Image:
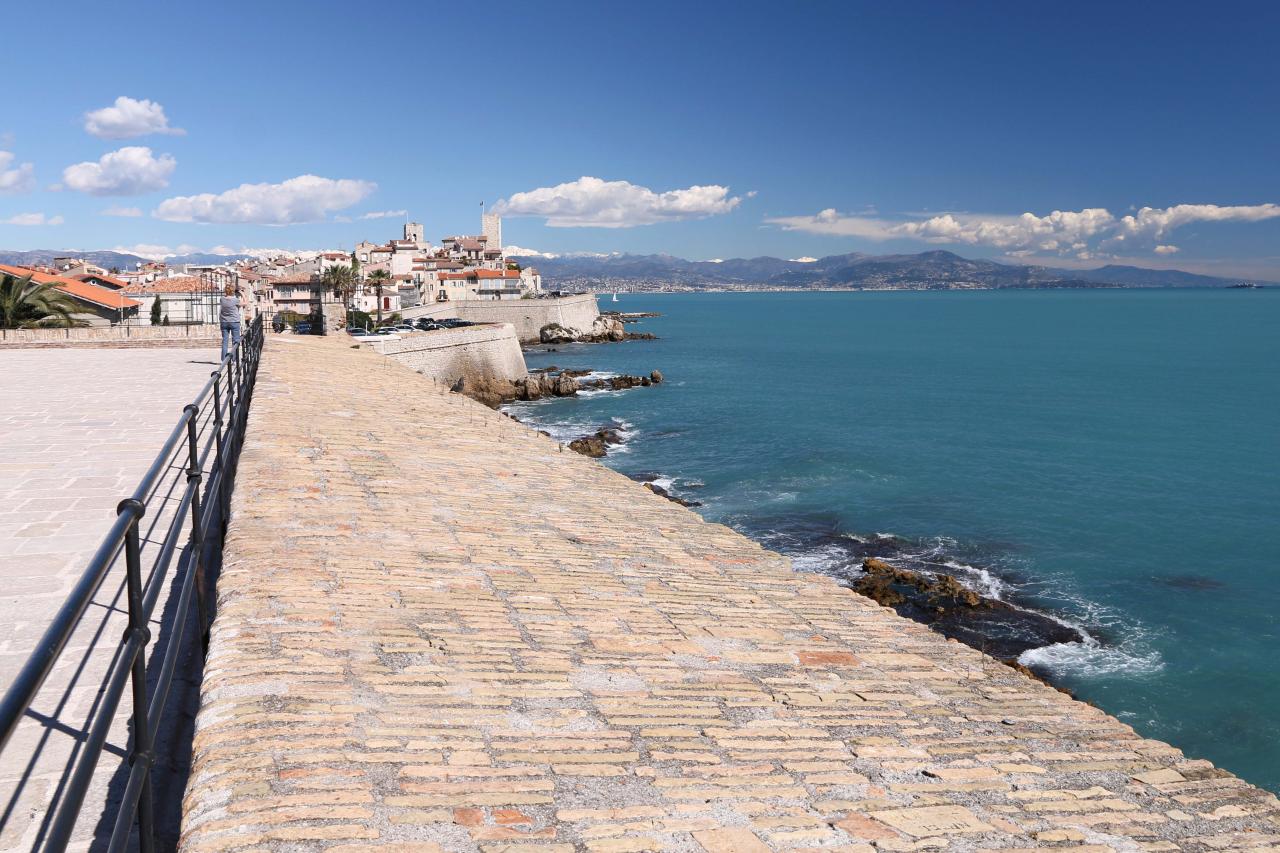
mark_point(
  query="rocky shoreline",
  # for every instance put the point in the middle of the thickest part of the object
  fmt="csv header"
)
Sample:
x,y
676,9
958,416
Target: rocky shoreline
x,y
606,328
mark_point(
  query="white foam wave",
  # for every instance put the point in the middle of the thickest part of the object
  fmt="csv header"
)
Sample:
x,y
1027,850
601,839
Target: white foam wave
x,y
1091,659
663,482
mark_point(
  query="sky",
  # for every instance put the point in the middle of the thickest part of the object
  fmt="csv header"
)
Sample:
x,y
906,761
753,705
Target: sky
x,y
1063,134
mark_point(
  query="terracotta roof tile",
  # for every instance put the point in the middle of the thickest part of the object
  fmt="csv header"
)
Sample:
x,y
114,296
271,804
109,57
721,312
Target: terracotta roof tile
x,y
81,290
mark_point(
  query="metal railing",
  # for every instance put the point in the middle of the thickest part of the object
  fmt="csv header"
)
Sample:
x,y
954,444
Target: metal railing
x,y
189,482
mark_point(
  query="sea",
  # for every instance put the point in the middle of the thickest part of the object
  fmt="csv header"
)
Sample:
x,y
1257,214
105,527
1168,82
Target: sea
x,y
1108,460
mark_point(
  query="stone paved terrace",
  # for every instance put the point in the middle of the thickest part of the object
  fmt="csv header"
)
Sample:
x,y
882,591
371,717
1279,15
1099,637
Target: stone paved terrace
x,y
78,429
438,631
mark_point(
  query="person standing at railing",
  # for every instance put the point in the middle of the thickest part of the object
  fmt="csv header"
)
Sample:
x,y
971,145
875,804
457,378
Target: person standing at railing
x,y
229,316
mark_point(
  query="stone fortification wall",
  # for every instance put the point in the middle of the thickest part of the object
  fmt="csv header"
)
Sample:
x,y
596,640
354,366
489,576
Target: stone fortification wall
x,y
528,316
438,631
111,336
435,310
447,355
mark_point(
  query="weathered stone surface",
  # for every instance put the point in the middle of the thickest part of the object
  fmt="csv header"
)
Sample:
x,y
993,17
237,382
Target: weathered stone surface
x,y
443,621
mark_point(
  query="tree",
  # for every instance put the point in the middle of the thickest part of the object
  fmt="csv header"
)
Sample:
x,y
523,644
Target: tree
x,y
341,280
155,311
25,303
379,279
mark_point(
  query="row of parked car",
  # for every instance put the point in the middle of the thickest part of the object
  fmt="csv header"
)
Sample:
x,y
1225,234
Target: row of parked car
x,y
422,324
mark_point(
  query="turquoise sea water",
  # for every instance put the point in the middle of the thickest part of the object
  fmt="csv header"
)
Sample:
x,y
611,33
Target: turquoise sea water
x,y
1110,457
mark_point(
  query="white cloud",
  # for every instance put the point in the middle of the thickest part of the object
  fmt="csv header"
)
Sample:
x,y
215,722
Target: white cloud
x,y
1154,223
157,252
1166,250
150,251
132,170
385,214
804,260
1078,233
521,252
592,202
128,118
306,198
122,211
20,179
32,219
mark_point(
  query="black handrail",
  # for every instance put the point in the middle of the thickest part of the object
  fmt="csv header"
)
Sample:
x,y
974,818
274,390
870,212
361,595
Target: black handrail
x,y
224,401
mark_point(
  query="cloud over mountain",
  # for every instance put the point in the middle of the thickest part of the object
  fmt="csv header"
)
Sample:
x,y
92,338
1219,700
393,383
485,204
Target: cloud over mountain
x,y
1080,233
592,202
128,118
306,198
132,170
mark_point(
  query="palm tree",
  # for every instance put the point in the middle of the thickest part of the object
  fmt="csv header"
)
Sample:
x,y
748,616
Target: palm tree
x,y
25,303
341,280
379,278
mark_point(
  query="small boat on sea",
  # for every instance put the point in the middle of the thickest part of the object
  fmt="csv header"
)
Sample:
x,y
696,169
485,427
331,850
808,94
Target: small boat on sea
x,y
615,296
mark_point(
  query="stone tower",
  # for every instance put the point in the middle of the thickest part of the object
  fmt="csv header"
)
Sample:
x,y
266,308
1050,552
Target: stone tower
x,y
491,227
413,232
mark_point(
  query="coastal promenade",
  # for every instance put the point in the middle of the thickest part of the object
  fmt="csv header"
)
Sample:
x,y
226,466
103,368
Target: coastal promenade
x,y
440,630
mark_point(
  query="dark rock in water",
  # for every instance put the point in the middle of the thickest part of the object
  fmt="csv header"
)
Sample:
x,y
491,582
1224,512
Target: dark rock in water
x,y
597,444
618,383
588,446
640,336
656,377
946,605
663,493
644,476
1191,582
574,373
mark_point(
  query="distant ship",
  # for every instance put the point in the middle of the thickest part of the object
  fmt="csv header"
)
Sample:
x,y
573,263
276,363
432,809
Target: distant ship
x,y
1244,285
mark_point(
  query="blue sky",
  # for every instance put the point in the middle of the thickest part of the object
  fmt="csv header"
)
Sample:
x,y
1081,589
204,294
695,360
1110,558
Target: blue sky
x,y
704,129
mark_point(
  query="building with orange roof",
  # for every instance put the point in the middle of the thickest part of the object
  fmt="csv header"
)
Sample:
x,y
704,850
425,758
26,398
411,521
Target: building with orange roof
x,y
102,306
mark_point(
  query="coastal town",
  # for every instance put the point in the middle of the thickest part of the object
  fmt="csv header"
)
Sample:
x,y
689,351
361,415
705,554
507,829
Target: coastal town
x,y
330,288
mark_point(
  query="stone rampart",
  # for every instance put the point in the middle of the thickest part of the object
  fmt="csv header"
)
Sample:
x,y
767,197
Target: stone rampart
x,y
112,336
528,316
433,310
438,630
447,355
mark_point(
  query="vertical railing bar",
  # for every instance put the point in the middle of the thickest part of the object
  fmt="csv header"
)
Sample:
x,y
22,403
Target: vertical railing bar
x,y
141,633
197,538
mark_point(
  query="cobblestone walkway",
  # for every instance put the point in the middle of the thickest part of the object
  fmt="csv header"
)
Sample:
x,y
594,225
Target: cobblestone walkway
x,y
440,632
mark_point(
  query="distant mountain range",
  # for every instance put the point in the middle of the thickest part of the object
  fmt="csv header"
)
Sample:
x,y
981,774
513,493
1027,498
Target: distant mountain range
x,y
105,258
936,270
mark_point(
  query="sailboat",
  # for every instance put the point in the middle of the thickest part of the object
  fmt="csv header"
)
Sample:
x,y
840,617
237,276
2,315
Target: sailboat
x,y
615,296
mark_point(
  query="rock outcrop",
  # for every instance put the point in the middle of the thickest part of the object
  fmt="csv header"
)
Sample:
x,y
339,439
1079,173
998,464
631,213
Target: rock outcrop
x,y
554,333
954,610
605,328
597,444
490,390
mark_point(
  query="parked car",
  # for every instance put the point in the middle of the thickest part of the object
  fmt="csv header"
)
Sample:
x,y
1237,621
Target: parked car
x,y
425,325
455,323
404,327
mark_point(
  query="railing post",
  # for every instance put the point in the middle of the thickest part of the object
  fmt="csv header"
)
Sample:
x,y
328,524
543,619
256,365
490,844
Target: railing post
x,y
138,630
197,537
